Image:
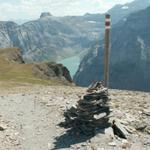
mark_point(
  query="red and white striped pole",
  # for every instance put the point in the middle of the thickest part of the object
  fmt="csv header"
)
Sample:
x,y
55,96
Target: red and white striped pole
x,y
107,47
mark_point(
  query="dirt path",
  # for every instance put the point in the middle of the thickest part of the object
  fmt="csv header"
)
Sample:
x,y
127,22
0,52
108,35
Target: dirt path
x,y
31,120
34,115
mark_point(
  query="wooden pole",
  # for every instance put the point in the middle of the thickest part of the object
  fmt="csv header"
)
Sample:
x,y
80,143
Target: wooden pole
x,y
106,52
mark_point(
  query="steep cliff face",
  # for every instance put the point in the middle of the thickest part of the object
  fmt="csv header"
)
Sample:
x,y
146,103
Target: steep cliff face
x,y
129,57
44,39
51,70
13,68
6,29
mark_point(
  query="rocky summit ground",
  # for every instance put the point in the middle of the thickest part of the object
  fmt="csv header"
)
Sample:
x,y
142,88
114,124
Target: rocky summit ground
x,y
29,118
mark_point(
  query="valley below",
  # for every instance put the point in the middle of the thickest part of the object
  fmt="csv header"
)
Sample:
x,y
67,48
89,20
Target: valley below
x,y
30,114
72,64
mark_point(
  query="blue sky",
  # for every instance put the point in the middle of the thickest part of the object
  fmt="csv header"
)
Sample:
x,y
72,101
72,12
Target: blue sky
x,y
30,9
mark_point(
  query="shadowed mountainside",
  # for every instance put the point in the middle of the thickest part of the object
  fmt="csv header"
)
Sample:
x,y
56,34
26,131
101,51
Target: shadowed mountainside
x,y
129,57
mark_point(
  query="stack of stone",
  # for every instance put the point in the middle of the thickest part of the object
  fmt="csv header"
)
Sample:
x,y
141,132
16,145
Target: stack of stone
x,y
91,112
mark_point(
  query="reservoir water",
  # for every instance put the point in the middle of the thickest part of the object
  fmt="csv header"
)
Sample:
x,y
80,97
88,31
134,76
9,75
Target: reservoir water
x,y
72,63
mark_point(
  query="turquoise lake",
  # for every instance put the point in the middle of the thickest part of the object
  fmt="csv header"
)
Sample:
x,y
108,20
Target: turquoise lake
x,y
72,63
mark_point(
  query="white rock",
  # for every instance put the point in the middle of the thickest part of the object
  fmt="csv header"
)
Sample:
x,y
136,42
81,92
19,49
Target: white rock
x,y
49,145
109,132
43,98
125,144
3,127
112,144
100,116
67,102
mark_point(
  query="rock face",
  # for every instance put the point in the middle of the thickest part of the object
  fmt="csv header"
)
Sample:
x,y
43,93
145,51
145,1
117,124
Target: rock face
x,y
13,56
51,70
129,58
50,38
6,28
45,14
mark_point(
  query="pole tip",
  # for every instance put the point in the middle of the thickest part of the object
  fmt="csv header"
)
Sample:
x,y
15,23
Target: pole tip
x,y
107,15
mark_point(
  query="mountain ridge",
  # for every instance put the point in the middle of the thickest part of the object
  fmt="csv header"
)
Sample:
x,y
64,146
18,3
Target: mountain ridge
x,y
129,57
55,38
13,68
47,38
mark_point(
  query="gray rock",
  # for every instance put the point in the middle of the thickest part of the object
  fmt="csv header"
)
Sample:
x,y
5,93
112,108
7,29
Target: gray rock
x,y
2,127
49,38
109,132
119,129
45,14
112,144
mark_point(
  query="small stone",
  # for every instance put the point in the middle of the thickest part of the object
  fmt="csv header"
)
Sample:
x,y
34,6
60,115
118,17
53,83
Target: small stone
x,y
119,129
48,105
62,106
83,144
130,129
2,127
140,126
146,112
147,141
43,98
125,144
124,122
49,145
16,142
67,102
147,130
109,132
112,144
100,116
17,133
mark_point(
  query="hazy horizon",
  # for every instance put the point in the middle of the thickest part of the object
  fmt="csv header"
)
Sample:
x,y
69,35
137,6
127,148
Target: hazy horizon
x,y
31,9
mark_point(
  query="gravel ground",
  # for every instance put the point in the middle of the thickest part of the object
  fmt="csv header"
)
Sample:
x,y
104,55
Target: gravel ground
x,y
30,116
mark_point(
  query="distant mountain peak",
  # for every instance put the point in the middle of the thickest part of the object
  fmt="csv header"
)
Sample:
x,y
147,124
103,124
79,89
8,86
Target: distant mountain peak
x,y
45,14
87,14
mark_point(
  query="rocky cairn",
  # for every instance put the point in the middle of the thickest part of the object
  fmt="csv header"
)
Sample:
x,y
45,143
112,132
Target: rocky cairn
x,y
92,111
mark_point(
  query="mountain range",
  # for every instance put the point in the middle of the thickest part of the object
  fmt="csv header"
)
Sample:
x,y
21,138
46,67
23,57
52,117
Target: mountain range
x,y
54,38
49,38
119,11
129,56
